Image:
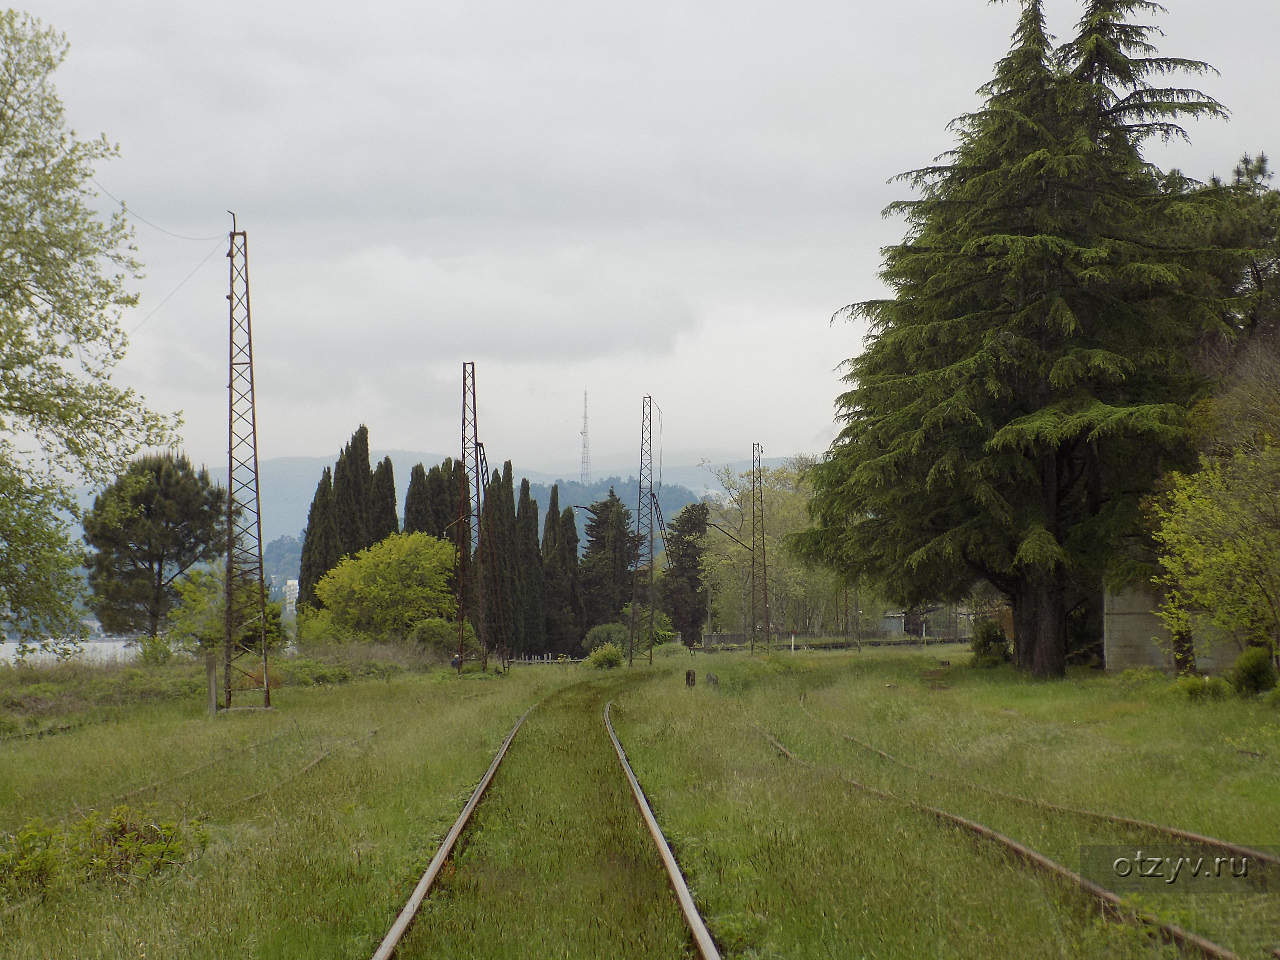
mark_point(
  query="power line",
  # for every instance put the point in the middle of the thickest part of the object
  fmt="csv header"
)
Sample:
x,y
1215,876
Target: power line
x,y
154,226
183,282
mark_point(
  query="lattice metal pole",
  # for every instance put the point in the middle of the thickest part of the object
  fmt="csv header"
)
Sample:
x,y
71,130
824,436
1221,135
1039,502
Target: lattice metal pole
x,y
759,567
468,579
246,590
644,531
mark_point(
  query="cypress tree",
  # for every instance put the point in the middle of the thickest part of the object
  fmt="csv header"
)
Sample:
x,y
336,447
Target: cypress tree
x,y
417,513
572,625
319,542
442,501
352,479
1018,392
529,574
383,521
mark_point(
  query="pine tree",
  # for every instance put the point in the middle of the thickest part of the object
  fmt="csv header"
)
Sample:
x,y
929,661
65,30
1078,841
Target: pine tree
x,y
352,479
611,554
1017,394
417,514
529,575
319,542
383,521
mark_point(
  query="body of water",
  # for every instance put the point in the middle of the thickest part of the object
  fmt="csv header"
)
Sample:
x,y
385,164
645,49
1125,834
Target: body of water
x,y
100,650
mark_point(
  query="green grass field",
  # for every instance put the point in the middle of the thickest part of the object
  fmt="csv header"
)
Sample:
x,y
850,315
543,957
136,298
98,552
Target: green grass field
x,y
321,814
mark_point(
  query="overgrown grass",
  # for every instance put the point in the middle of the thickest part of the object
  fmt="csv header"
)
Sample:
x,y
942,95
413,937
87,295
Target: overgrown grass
x,y
558,862
791,862
320,814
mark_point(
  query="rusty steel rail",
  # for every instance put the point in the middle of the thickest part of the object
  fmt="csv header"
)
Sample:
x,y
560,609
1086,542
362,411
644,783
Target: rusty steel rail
x,y
1176,833
1112,906
701,936
392,940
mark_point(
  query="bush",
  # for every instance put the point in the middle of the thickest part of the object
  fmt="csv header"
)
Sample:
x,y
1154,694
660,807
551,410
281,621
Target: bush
x,y
1199,689
1254,672
1272,698
154,650
125,845
990,649
606,656
441,636
599,635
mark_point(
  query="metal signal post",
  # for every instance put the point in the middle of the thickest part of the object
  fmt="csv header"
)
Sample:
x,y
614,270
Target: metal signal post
x,y
469,505
246,591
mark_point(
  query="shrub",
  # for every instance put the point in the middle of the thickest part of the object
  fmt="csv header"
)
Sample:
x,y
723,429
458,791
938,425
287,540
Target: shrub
x,y
1272,698
1254,672
126,845
615,633
1199,689
990,649
154,650
606,656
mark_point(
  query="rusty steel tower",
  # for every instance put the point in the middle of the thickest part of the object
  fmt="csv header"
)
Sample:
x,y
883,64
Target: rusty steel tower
x,y
759,568
246,591
470,501
643,573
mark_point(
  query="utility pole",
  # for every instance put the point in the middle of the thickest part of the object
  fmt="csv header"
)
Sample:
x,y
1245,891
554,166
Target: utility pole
x,y
584,475
246,591
759,568
644,531
469,503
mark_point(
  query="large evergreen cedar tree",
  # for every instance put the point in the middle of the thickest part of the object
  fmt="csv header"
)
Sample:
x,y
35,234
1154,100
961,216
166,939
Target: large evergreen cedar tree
x,y
1021,390
63,287
159,519
683,589
417,511
607,563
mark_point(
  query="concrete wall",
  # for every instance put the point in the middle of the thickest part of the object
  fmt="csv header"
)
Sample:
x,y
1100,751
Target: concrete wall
x,y
1131,630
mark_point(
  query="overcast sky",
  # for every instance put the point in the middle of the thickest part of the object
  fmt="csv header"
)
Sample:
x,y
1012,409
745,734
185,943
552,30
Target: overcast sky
x,y
664,198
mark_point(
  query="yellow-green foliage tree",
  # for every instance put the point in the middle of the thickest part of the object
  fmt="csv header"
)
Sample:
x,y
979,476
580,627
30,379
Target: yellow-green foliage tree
x,y
383,591
1219,533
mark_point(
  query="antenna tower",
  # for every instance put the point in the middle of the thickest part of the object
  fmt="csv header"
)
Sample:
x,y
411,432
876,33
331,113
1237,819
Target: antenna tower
x,y
759,569
644,533
246,591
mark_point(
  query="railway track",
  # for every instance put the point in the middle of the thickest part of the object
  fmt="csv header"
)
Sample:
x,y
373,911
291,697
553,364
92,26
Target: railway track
x,y
1112,906
411,933
1165,831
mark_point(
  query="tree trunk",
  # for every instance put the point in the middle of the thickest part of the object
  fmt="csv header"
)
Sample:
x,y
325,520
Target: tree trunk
x,y
1025,623
1049,653
1184,653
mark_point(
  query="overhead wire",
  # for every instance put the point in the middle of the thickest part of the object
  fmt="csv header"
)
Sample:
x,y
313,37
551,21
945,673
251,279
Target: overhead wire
x,y
154,226
181,283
